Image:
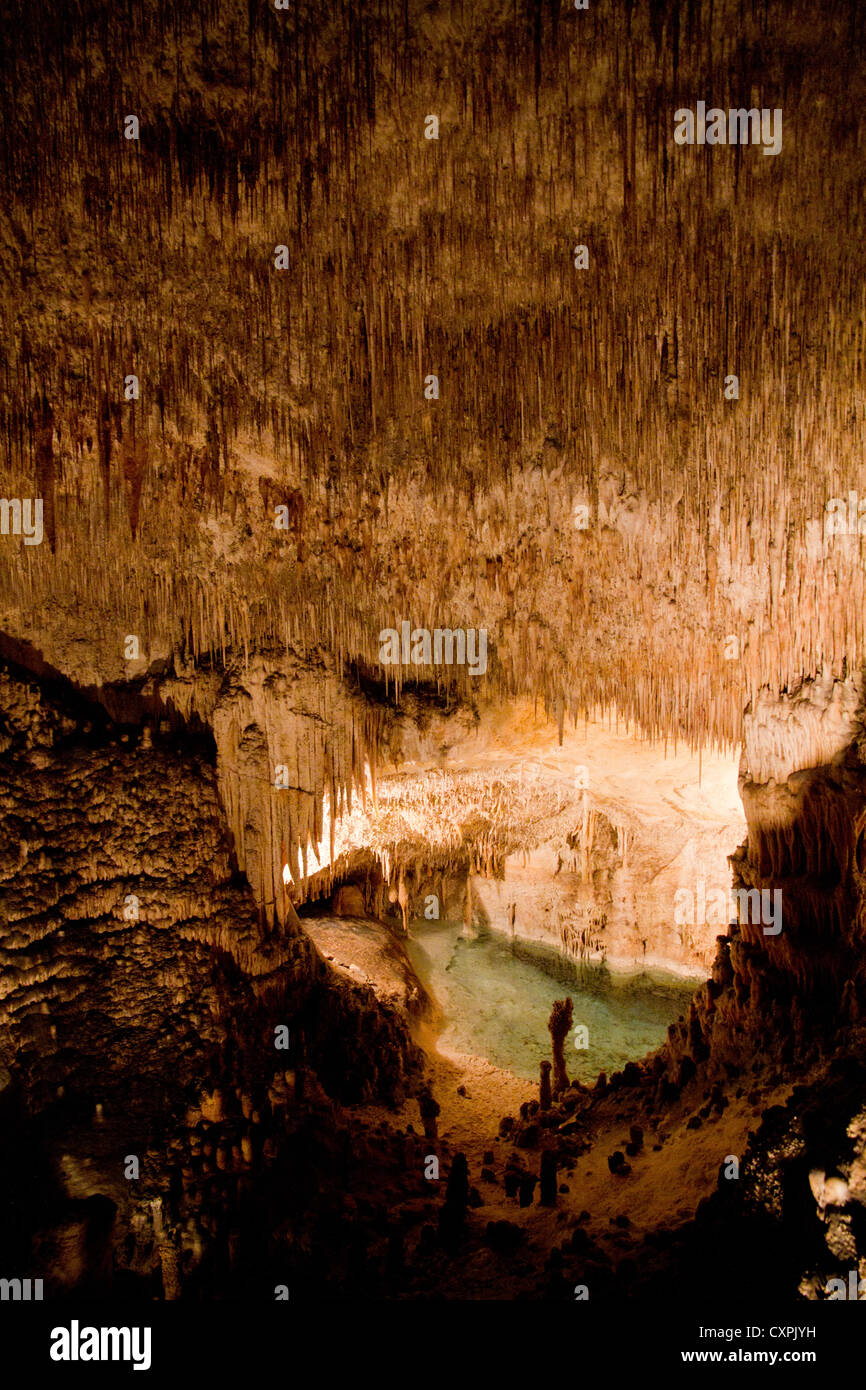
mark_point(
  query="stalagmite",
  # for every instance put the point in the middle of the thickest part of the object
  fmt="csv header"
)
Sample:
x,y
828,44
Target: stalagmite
x,y
560,1025
544,1086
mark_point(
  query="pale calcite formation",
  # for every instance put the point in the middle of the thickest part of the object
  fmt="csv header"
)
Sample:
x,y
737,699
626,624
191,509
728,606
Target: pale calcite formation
x,y
811,724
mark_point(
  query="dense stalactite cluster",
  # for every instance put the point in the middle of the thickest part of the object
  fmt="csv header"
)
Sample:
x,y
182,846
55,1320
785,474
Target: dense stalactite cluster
x,y
472,821
303,387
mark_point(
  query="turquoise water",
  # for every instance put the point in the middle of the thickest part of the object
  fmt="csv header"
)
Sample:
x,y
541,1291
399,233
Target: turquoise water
x,y
496,998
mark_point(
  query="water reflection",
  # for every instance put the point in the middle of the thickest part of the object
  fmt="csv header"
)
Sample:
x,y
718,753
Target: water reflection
x,y
496,998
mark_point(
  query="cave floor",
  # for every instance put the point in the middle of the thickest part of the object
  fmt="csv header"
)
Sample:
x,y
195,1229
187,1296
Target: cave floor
x,y
662,1191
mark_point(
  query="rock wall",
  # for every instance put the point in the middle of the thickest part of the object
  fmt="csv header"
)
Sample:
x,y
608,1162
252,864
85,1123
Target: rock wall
x,y
598,891
789,980
140,998
609,895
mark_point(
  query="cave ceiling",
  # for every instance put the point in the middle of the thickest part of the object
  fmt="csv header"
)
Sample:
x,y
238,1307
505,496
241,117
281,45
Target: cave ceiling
x,y
583,487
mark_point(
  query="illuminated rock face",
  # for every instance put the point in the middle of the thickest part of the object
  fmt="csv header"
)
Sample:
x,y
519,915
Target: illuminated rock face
x,y
791,990
586,844
613,896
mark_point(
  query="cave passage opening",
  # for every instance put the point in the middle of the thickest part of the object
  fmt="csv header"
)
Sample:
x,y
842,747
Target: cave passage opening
x,y
527,866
